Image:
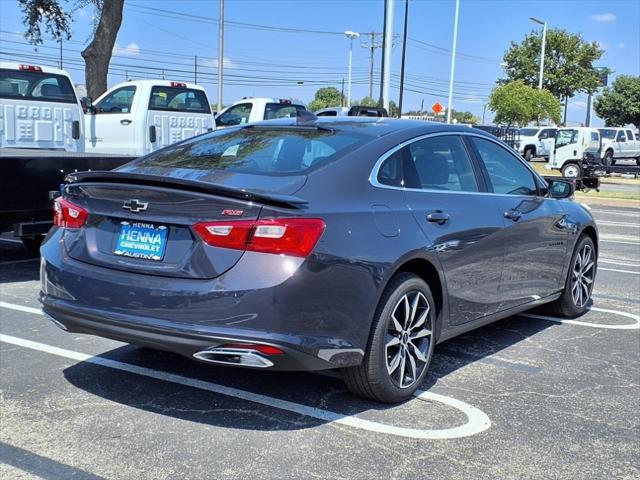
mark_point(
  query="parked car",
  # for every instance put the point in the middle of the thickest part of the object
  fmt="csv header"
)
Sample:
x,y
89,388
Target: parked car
x,y
355,111
249,110
140,116
619,144
351,243
571,147
536,141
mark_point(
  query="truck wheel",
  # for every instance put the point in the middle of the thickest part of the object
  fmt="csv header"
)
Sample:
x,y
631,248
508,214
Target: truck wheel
x,y
638,161
401,343
571,170
528,154
32,244
608,160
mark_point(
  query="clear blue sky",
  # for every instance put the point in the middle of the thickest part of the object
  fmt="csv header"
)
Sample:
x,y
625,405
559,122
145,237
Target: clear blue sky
x,y
271,61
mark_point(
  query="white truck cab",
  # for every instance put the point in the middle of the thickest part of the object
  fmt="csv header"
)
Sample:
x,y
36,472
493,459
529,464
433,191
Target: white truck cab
x,y
619,144
138,117
572,145
536,141
250,110
39,108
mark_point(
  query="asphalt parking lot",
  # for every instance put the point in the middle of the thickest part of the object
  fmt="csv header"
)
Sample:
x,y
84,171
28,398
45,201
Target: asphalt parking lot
x,y
527,397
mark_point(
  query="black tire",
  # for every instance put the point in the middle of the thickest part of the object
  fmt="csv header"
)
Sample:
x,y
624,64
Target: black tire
x,y
608,160
32,244
372,378
568,168
565,306
528,154
638,161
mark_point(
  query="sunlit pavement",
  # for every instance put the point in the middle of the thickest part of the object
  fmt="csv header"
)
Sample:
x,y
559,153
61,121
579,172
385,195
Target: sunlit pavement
x,y
527,397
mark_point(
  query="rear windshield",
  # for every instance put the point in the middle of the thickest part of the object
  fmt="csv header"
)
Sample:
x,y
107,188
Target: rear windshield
x,y
35,86
528,132
608,133
257,150
281,110
176,99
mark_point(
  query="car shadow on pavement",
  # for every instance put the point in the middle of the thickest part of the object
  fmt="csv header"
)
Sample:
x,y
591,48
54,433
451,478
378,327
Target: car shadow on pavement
x,y
325,392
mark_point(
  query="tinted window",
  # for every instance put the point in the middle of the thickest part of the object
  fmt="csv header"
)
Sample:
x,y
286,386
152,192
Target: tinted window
x,y
508,175
609,133
629,135
257,150
329,113
528,132
35,86
118,101
178,100
390,172
620,137
281,110
236,115
595,137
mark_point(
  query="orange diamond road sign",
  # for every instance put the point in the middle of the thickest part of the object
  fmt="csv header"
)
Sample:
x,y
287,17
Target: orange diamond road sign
x,y
437,107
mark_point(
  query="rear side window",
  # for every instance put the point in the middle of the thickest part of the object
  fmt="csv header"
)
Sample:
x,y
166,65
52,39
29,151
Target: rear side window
x,y
281,110
508,175
35,86
257,150
620,137
629,135
118,101
176,99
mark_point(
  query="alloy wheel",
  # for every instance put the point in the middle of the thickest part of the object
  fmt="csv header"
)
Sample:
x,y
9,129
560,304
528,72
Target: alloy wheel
x,y
408,339
582,278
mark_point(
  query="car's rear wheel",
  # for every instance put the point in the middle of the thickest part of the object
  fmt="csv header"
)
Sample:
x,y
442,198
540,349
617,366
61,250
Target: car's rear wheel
x,y
576,296
571,170
400,345
608,160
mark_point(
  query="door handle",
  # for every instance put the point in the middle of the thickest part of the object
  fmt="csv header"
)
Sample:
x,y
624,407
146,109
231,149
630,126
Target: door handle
x,y
513,214
125,121
438,217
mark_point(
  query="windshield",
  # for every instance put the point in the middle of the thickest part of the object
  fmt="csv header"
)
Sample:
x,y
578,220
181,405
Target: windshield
x,y
566,137
607,133
35,86
528,132
257,150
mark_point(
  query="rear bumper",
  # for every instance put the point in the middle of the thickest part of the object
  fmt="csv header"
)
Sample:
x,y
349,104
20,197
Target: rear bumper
x,y
303,313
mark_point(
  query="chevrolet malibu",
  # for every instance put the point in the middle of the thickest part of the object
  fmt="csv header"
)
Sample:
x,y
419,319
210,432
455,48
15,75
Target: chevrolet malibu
x,y
308,244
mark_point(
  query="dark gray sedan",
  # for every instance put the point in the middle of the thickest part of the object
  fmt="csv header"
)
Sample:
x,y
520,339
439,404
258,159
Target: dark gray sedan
x,y
315,244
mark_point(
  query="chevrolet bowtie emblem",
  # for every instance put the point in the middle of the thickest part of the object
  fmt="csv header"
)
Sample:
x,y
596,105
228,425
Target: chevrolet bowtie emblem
x,y
135,206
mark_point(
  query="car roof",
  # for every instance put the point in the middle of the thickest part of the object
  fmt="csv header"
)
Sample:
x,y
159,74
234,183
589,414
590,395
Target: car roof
x,y
373,126
45,69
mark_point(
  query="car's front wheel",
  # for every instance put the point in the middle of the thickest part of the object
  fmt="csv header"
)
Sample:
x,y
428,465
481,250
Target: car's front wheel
x,y
576,296
400,345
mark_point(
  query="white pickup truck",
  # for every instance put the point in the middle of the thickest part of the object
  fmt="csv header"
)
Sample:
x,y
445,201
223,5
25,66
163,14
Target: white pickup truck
x,y
138,117
536,141
250,110
619,144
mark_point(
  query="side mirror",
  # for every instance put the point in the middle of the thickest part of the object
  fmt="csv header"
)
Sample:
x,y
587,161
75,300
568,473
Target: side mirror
x,y
87,105
560,189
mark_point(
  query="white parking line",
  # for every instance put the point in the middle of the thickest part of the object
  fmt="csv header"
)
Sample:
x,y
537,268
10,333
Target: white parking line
x,y
10,240
626,326
623,242
618,224
477,420
13,262
614,213
618,270
619,261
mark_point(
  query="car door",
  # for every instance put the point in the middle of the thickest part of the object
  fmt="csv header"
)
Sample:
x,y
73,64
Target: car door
x,y
547,138
619,149
535,232
460,223
110,128
632,145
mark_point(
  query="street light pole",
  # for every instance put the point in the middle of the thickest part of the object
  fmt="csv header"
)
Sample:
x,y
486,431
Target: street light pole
x,y
350,35
544,42
386,55
453,61
220,54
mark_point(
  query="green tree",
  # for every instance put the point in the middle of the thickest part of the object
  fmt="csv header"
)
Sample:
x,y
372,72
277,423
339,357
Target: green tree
x,y
325,97
568,63
367,102
57,22
620,104
516,103
464,117
393,109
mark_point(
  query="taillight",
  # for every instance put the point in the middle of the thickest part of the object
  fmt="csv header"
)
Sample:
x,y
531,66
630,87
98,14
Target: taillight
x,y
287,236
67,214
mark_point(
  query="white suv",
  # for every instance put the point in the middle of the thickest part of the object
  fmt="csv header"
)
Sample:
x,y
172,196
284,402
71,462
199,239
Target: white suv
x,y
536,141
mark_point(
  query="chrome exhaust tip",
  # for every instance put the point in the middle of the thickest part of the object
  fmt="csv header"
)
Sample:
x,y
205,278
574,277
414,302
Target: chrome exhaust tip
x,y
234,356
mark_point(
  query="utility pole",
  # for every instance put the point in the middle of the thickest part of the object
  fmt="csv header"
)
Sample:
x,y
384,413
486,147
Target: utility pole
x,y
60,54
544,42
404,53
195,69
386,56
342,94
371,46
351,36
220,53
453,61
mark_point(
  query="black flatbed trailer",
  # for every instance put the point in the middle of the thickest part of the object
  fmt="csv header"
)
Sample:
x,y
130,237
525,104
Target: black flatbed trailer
x,y
31,178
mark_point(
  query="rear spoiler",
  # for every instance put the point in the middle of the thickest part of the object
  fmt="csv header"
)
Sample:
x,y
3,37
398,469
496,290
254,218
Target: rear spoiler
x,y
183,184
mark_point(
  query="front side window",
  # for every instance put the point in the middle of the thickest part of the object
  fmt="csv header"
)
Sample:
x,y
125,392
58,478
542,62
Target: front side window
x,y
118,101
35,86
595,137
177,99
281,110
236,115
630,135
507,174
